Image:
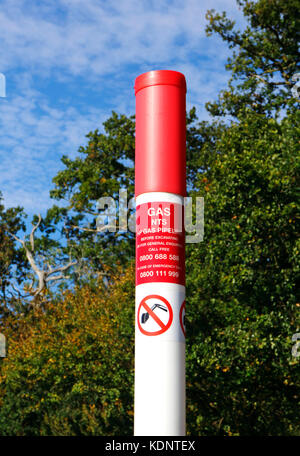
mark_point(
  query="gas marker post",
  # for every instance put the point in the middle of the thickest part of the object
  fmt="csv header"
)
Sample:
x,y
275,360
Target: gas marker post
x,y
160,187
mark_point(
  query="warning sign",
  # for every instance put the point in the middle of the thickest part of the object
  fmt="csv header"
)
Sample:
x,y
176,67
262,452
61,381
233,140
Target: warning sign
x,y
154,316
159,243
182,317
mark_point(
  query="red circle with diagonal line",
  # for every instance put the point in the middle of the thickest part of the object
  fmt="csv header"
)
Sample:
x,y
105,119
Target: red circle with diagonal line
x,y
164,327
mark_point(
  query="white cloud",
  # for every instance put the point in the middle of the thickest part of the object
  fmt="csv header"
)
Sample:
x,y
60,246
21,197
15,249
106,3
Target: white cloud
x,y
107,44
33,138
94,38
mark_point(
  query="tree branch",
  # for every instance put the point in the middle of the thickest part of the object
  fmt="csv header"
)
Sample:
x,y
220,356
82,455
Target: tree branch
x,y
61,268
91,230
35,227
59,277
43,276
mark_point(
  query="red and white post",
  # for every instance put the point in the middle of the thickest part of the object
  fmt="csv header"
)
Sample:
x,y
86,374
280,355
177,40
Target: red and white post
x,y
160,187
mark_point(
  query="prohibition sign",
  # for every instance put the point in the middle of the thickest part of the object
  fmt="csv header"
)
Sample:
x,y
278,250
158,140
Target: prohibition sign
x,y
182,316
164,326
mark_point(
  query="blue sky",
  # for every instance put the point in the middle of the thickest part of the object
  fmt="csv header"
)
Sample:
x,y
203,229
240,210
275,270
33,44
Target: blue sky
x,y
69,63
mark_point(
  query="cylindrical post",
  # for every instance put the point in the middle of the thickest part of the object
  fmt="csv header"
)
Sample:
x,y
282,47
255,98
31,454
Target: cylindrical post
x,y
160,187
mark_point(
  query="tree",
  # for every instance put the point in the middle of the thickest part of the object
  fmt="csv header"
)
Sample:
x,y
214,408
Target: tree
x,y
241,281
265,57
103,167
69,370
44,273
242,304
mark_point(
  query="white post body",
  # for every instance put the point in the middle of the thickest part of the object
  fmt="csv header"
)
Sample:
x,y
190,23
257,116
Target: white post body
x,y
160,321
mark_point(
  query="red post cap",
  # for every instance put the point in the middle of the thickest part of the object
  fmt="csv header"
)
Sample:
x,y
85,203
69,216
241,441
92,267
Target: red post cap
x,y
160,163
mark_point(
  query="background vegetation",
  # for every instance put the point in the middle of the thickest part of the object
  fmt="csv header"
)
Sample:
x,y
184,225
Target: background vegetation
x,y
69,368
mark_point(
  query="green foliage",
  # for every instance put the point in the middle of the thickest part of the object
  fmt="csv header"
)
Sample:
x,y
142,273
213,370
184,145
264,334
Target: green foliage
x,y
243,307
103,167
265,56
69,371
241,285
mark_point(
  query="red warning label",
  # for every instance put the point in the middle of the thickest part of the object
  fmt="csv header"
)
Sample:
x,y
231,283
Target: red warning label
x,y
160,243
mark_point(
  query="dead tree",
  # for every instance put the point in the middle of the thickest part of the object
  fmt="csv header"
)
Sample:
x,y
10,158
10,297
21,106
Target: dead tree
x,y
44,275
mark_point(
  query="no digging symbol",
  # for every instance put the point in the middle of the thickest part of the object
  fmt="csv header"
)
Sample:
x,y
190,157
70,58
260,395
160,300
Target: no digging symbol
x,y
155,315
182,317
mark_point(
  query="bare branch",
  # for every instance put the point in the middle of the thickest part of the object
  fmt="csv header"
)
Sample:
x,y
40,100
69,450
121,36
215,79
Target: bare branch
x,y
61,268
17,239
43,276
91,230
32,232
19,292
59,277
28,253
